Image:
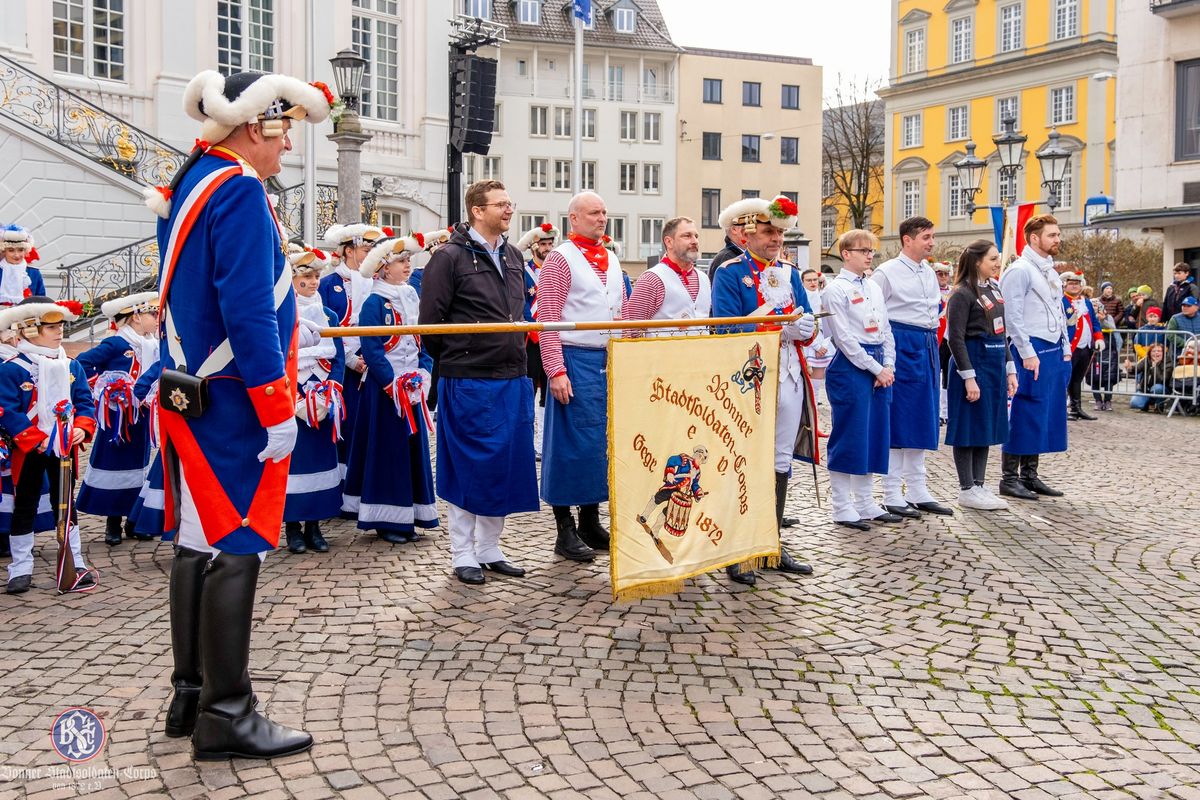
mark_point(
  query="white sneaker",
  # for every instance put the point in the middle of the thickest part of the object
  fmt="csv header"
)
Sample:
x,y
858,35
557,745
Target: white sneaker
x,y
969,498
998,503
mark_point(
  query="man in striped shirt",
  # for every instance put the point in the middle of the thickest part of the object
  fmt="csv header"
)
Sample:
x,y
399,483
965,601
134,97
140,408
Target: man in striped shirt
x,y
579,281
674,289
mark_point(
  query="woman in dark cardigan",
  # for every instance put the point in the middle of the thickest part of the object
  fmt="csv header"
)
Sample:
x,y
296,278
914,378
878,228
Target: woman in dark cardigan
x,y
981,376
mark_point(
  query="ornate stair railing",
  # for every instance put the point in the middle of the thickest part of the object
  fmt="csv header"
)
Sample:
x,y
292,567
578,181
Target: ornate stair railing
x,y
83,127
132,268
290,208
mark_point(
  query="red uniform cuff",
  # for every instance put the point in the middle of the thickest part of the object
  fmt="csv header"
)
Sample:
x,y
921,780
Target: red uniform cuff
x,y
273,402
28,439
88,426
1098,336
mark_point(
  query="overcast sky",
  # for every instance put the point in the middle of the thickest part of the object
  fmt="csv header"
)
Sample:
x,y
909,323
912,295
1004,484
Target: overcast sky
x,y
849,37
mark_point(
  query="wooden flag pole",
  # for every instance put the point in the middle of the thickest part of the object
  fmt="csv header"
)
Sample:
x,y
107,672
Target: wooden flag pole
x,y
527,327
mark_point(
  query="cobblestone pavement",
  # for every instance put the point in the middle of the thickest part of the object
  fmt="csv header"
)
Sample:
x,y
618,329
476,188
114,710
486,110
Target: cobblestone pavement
x,y
1050,651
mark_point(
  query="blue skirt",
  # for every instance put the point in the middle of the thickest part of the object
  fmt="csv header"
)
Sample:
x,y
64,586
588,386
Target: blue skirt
x,y
314,487
485,460
917,391
1037,422
147,514
115,471
860,435
984,422
575,442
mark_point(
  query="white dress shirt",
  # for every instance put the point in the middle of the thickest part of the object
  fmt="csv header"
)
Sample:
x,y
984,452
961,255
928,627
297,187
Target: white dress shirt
x,y
1033,303
857,305
910,290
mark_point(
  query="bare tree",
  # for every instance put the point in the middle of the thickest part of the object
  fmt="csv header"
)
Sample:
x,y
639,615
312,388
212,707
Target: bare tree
x,y
852,152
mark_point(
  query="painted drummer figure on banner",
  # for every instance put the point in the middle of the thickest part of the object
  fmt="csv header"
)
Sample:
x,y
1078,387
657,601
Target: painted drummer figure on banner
x,y
680,488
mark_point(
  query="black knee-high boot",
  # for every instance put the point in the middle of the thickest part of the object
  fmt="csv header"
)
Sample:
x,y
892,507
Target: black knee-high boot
x,y
786,562
187,581
227,725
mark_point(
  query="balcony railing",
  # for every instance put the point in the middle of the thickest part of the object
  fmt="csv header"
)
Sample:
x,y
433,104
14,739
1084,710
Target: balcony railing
x,y
130,268
83,127
1175,8
290,208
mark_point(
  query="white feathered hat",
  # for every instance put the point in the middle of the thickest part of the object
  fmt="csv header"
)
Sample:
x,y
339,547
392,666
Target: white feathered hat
x,y
15,235
536,234
435,239
389,250
780,212
222,103
144,302
34,311
341,235
302,260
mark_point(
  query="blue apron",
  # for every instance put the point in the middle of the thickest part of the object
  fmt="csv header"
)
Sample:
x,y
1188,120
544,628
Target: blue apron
x,y
485,445
1037,421
917,390
860,435
575,442
984,422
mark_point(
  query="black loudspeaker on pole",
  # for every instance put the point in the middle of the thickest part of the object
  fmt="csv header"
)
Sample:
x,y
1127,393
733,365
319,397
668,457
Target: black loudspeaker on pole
x,y
472,119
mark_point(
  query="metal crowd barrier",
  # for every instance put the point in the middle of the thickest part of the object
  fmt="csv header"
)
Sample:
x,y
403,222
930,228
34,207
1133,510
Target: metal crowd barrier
x,y
1181,392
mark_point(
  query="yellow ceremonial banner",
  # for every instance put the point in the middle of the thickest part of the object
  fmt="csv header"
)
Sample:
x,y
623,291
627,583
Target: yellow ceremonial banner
x,y
691,458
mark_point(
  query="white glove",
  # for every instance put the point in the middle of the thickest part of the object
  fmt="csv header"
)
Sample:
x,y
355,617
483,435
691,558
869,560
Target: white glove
x,y
322,412
800,330
281,440
301,411
1099,345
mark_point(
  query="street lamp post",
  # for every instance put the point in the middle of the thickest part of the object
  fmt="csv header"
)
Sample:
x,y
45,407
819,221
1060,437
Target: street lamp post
x,y
970,176
1010,146
348,135
1053,160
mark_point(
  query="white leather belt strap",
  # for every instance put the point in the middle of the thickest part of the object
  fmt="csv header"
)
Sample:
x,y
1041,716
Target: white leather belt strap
x,y
219,359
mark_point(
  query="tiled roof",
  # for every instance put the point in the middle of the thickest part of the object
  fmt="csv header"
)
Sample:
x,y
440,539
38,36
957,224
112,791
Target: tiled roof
x,y
557,25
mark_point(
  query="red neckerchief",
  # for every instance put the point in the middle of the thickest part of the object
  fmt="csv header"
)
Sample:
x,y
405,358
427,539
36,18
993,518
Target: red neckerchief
x,y
593,251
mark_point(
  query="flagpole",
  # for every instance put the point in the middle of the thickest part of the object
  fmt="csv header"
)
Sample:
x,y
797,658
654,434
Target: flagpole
x,y
577,129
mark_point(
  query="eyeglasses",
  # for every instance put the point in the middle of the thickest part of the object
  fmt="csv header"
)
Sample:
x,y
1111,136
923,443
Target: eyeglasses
x,y
505,205
866,250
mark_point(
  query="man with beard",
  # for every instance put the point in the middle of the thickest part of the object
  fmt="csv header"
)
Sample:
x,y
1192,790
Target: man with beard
x,y
673,288
1037,330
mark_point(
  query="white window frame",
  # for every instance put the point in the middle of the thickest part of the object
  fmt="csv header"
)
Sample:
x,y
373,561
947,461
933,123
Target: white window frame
x,y
956,207
394,218
491,169
1011,30
962,39
1005,188
529,12
255,35
651,127
531,221
958,123
588,124
910,203
624,20
477,8
562,122
914,50
538,174
828,229
627,177
562,175
1066,192
539,121
1068,113
380,97
911,135
84,36
1064,21
650,238
587,176
651,178
1016,98
629,126
617,229
470,168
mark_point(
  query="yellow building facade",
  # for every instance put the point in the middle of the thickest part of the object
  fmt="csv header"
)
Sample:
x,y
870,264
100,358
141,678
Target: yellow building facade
x,y
750,125
959,68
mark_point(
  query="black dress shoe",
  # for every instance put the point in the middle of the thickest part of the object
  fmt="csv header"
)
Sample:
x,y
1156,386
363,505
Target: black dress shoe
x,y
908,512
1035,484
856,524
505,568
112,531
791,522
789,564
19,584
933,507
395,537
472,575
887,517
738,575
1013,488
87,579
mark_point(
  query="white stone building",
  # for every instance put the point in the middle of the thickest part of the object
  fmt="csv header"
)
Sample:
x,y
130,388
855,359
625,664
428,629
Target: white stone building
x,y
1158,126
629,119
73,174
